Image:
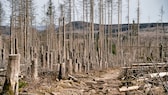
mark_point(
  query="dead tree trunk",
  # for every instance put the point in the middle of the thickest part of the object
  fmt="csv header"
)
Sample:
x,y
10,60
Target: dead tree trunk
x,y
101,37
51,60
91,37
0,41
64,47
0,48
138,29
48,57
62,71
42,57
76,68
11,83
70,66
34,68
3,55
118,33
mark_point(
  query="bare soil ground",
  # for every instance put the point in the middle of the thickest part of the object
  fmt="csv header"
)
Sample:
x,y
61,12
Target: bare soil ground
x,y
94,83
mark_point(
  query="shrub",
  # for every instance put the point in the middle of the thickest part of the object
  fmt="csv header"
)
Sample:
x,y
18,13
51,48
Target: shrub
x,y
114,49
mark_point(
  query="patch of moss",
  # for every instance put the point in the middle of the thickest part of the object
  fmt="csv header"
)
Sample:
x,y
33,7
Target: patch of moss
x,y
22,84
114,49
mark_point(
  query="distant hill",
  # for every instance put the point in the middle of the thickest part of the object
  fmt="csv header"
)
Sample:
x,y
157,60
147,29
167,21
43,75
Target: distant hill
x,y
80,25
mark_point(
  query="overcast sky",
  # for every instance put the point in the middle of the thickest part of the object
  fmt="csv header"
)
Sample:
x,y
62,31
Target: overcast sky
x,y
149,10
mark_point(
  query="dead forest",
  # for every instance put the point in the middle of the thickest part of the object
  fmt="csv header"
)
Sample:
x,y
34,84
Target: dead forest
x,y
63,52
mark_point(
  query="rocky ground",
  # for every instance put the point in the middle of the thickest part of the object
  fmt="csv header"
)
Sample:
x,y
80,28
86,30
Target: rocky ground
x,y
94,83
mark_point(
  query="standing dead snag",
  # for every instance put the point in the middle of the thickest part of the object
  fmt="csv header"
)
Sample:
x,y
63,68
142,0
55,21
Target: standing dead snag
x,y
34,68
70,66
76,67
62,71
0,48
11,83
51,60
0,41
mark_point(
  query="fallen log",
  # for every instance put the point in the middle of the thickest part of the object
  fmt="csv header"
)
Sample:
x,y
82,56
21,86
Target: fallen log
x,y
148,64
141,79
160,74
73,78
144,67
124,88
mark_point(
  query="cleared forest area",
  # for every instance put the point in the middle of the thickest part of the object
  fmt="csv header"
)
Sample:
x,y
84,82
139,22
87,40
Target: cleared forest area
x,y
82,57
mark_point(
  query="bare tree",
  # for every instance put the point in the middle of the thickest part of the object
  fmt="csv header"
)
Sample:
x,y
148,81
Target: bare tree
x,y
138,29
62,18
70,28
50,31
128,18
162,32
1,13
118,33
161,13
100,36
91,37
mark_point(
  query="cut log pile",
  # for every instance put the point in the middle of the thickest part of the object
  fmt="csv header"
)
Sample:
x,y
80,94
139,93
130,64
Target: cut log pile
x,y
144,78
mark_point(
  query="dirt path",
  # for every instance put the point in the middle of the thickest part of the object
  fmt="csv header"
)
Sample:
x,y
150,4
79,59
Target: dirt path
x,y
107,83
95,83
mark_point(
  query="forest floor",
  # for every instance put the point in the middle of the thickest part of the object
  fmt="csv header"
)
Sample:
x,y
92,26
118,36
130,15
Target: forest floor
x,y
94,83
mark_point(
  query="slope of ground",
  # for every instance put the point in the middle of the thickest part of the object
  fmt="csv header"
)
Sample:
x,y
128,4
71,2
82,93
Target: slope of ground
x,y
94,83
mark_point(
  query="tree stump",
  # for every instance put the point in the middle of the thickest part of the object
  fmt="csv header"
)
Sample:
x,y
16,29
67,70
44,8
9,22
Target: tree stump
x,y
100,65
62,71
48,59
11,83
51,60
0,47
76,68
0,41
70,66
88,67
34,68
79,67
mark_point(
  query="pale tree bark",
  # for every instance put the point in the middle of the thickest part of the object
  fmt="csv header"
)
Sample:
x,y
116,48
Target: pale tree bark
x,y
1,48
138,30
84,34
64,44
34,67
91,28
105,34
51,35
109,31
12,80
129,31
101,37
70,29
118,33
1,13
162,32
87,36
